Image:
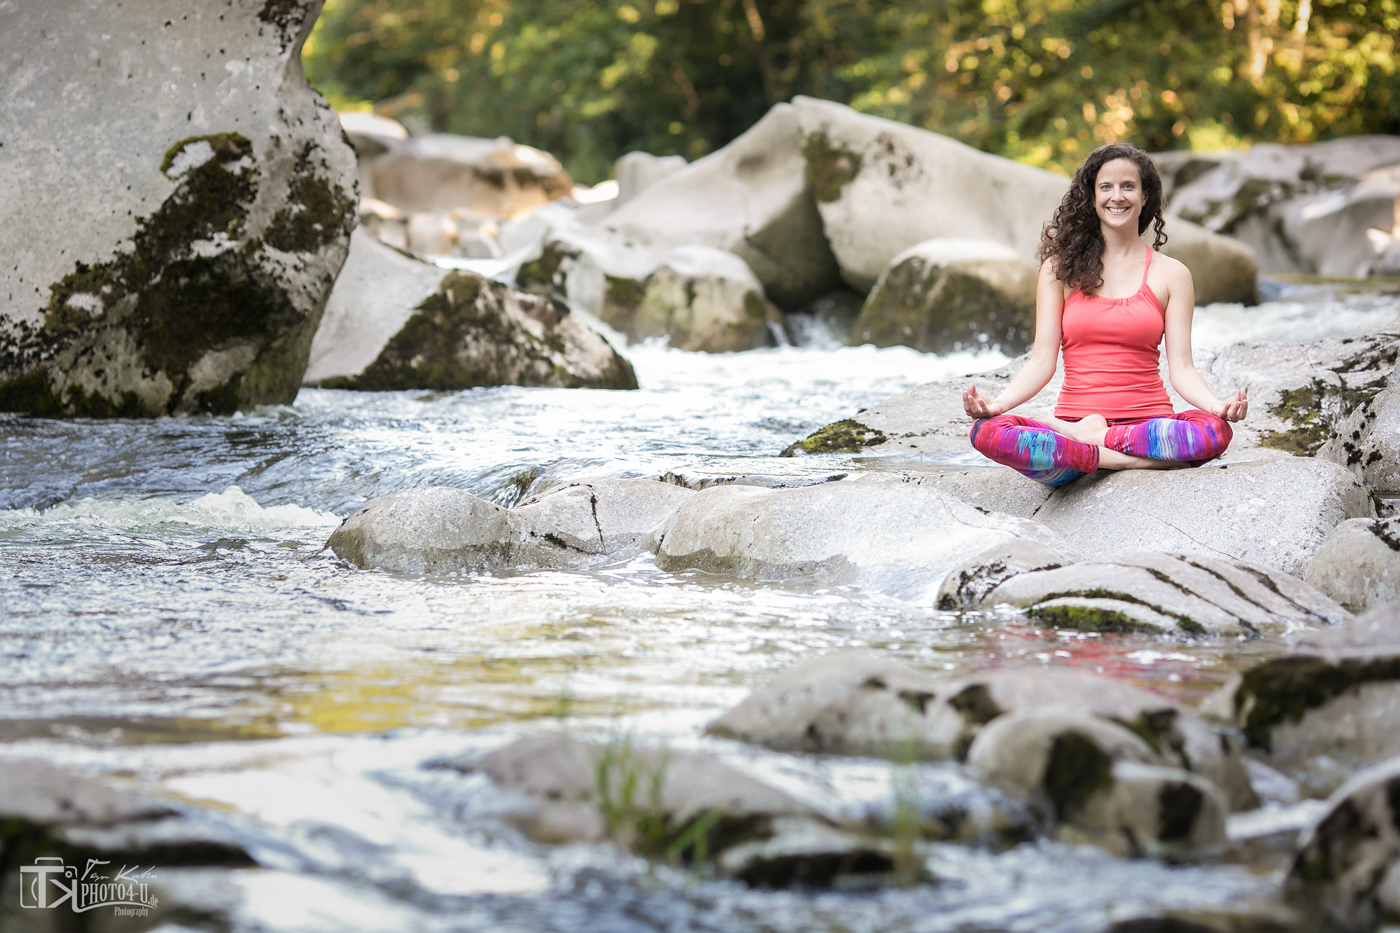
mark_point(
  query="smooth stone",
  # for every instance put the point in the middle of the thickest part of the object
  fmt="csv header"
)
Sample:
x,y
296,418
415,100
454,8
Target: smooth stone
x,y
875,531
807,854
854,704
750,197
1169,593
1329,708
1103,784
967,585
438,529
1347,871
1271,512
1358,564
641,797
441,172
637,171
171,257
883,186
467,331
945,295
1367,440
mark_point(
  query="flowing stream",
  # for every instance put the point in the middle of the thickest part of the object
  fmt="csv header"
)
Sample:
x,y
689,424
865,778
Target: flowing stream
x,y
168,615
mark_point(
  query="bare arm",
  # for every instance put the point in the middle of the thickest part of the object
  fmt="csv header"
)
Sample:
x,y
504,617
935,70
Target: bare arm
x,y
1045,353
1181,307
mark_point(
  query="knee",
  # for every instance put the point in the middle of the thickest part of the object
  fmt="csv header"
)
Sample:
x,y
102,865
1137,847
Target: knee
x,y
983,432
1216,433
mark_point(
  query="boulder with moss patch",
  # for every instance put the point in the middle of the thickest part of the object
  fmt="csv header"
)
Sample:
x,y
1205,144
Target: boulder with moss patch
x,y
1325,710
1367,441
1102,783
186,269
394,322
873,530
751,198
883,186
1358,564
1178,594
940,296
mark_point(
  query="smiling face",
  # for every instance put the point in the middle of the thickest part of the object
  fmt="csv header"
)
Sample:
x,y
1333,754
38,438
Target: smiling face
x,y
1118,195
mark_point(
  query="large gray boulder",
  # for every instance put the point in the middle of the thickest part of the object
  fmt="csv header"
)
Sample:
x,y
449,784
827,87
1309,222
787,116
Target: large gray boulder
x,y
875,531
945,295
750,197
442,172
1187,595
1367,439
1325,710
883,186
1358,564
968,584
438,529
1270,512
1346,875
854,704
637,171
1303,208
394,322
1103,783
185,205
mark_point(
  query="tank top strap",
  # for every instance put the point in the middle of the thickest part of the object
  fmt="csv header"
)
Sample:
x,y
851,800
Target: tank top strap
x,y
1145,268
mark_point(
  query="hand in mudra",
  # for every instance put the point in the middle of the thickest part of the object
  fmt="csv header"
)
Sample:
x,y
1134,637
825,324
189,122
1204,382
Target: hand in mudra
x,y
978,405
1233,410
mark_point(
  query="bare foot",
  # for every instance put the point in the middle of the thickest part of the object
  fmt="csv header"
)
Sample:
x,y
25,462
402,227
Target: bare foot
x,y
1110,459
1090,429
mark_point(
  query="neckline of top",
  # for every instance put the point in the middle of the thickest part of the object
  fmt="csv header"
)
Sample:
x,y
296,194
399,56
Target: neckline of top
x,y
1145,269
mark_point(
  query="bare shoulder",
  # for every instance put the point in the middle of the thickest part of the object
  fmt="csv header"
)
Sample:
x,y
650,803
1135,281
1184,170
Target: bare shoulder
x,y
1172,270
1048,279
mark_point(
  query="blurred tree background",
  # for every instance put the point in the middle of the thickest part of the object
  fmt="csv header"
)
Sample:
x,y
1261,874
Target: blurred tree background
x,y
1042,81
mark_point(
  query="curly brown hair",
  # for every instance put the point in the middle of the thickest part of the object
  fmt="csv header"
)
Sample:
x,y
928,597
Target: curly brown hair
x,y
1072,240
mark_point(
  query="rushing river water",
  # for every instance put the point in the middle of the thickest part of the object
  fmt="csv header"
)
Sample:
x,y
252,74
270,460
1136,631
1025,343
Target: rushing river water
x,y
167,614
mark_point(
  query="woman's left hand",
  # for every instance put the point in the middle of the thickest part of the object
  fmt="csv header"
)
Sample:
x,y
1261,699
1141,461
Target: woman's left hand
x,y
1235,409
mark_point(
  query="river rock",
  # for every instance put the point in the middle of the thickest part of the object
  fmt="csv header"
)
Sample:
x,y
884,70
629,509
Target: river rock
x,y
967,585
883,186
945,295
394,322
637,171
750,197
1327,709
1303,208
1178,594
1270,512
1103,783
186,203
1358,564
894,537
700,297
1367,439
808,854
1347,872
442,172
854,704
438,529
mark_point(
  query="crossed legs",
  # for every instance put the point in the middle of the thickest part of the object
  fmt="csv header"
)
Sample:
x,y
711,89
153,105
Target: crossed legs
x,y
1056,452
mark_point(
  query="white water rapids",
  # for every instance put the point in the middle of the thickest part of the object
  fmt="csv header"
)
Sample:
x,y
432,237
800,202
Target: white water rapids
x,y
168,615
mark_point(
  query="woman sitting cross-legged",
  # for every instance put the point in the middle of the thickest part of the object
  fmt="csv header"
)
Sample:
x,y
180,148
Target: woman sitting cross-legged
x,y
1106,299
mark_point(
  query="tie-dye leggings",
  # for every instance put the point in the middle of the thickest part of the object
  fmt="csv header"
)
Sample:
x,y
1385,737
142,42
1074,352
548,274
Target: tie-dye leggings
x,y
1036,450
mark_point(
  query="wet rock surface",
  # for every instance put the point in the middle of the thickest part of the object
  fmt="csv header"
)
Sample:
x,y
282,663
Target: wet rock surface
x,y
438,529
940,296
1184,595
1328,708
890,536
967,586
184,270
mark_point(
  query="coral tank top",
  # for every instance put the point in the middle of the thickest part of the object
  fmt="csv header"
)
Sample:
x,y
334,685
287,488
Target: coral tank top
x,y
1111,355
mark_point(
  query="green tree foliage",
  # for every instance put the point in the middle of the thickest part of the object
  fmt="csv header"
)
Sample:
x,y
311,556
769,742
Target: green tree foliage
x,y
1038,80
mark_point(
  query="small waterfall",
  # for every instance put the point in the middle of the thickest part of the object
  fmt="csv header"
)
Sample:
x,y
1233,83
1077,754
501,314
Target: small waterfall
x,y
780,337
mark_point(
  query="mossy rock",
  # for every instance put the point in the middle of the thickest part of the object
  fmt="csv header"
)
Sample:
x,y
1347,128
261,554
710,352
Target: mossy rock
x,y
848,436
1283,690
943,310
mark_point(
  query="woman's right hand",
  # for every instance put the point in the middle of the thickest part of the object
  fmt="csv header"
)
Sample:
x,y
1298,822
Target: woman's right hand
x,y
978,405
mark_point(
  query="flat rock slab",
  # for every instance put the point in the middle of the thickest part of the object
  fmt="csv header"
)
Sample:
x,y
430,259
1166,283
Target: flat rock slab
x,y
1271,512
438,529
874,531
1169,593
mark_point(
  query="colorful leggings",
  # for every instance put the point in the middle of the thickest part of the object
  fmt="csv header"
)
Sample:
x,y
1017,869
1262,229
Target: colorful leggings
x,y
1036,450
